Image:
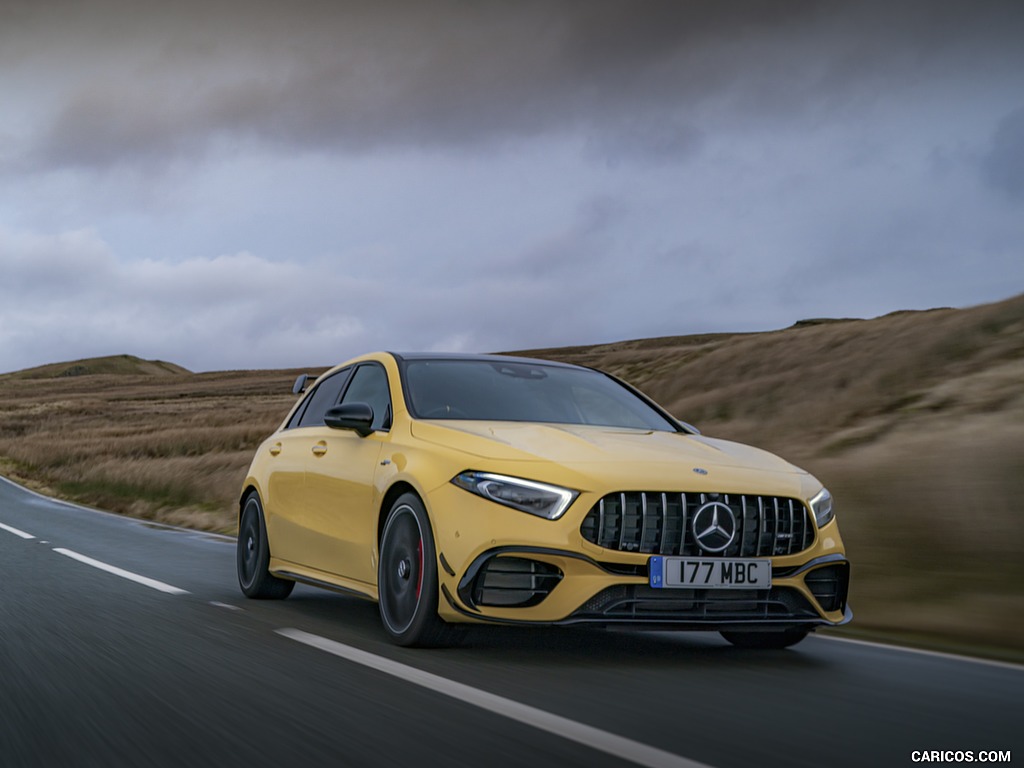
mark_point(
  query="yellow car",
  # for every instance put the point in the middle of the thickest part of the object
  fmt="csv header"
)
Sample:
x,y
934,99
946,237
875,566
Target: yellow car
x,y
455,489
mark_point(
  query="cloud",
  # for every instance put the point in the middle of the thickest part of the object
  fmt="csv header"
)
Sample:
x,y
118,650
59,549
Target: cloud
x,y
666,140
70,295
1003,165
153,83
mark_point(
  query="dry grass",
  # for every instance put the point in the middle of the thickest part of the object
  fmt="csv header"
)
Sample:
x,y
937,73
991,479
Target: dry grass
x,y
172,448
915,420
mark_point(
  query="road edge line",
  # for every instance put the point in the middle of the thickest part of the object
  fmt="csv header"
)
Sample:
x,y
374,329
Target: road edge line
x,y
925,652
150,523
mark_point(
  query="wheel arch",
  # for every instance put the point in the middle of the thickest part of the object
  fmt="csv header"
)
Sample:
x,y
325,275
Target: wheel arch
x,y
398,489
249,489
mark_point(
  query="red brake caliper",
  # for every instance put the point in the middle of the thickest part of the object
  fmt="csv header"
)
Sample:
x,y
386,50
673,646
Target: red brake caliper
x,y
419,576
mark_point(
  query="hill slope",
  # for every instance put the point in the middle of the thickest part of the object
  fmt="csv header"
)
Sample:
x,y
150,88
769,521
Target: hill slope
x,y
831,385
119,365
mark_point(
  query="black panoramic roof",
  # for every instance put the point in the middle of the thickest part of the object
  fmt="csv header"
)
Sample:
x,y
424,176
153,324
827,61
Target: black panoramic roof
x,y
405,356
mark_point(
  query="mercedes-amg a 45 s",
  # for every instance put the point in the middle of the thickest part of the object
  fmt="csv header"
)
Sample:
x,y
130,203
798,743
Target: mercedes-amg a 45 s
x,y
455,489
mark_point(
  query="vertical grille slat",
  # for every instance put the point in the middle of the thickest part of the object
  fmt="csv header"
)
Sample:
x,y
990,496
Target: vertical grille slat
x,y
665,521
761,522
792,529
775,530
622,520
743,550
683,526
643,521
659,523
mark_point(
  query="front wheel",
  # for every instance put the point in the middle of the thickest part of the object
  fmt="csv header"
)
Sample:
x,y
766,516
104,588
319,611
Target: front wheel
x,y
407,577
252,556
766,640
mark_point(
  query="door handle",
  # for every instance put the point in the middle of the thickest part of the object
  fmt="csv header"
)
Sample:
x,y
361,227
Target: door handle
x,y
320,449
275,449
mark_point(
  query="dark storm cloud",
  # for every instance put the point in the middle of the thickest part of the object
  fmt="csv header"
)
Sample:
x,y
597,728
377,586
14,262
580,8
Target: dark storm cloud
x,y
1003,166
356,75
157,82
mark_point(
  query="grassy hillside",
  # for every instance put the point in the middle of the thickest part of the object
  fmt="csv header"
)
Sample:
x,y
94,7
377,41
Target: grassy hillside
x,y
121,365
166,448
915,421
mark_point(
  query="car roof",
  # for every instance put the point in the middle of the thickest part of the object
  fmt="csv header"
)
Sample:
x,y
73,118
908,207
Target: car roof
x,y
459,356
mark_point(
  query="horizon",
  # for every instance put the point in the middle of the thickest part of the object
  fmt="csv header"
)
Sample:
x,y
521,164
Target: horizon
x,y
797,323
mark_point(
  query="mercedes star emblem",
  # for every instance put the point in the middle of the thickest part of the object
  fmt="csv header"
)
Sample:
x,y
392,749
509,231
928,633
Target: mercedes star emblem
x,y
714,527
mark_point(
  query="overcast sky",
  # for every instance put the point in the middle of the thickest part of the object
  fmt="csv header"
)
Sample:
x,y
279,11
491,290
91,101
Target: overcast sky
x,y
266,184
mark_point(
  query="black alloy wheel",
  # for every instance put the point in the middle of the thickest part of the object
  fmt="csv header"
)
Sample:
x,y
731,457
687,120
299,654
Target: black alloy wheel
x,y
407,577
252,556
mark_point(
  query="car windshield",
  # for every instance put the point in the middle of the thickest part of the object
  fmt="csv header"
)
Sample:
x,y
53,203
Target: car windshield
x,y
489,390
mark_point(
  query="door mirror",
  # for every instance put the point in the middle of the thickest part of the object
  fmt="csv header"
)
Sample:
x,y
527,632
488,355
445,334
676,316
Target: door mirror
x,y
357,416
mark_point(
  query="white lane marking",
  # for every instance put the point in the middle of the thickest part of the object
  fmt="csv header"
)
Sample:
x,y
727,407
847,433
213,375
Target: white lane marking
x,y
594,738
16,532
144,580
226,606
923,652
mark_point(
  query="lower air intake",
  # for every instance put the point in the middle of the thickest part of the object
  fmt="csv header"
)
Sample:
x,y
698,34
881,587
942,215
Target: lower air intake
x,y
514,582
830,585
696,607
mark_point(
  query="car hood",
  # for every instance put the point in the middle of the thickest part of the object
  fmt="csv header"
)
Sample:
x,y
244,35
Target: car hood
x,y
627,452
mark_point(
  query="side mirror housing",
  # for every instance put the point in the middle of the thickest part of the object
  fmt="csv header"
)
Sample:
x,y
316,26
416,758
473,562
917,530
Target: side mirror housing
x,y
355,416
300,384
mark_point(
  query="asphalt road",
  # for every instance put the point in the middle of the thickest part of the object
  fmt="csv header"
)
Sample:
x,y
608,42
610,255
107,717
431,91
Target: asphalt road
x,y
97,669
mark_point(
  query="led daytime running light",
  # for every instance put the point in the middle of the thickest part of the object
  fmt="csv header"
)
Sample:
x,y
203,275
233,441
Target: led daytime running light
x,y
541,499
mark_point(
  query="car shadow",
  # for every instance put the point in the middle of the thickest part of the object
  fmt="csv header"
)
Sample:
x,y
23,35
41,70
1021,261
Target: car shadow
x,y
353,619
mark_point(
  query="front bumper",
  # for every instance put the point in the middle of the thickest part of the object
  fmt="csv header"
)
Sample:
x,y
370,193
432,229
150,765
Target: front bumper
x,y
534,571
810,596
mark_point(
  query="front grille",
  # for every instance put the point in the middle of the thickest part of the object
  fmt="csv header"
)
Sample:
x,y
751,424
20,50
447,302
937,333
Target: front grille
x,y
663,524
830,585
514,582
639,602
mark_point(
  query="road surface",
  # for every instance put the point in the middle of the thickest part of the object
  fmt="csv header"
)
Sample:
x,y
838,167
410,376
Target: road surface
x,y
128,644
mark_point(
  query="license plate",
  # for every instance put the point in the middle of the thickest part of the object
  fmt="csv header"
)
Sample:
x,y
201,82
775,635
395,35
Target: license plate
x,y
709,573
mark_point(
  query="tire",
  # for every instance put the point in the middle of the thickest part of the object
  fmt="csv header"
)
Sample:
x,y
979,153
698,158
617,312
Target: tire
x,y
252,556
407,578
766,640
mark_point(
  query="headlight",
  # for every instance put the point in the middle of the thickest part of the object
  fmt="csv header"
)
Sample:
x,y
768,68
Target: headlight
x,y
821,505
539,499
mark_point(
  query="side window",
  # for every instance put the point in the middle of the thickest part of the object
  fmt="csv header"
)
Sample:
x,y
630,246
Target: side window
x,y
320,399
370,385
